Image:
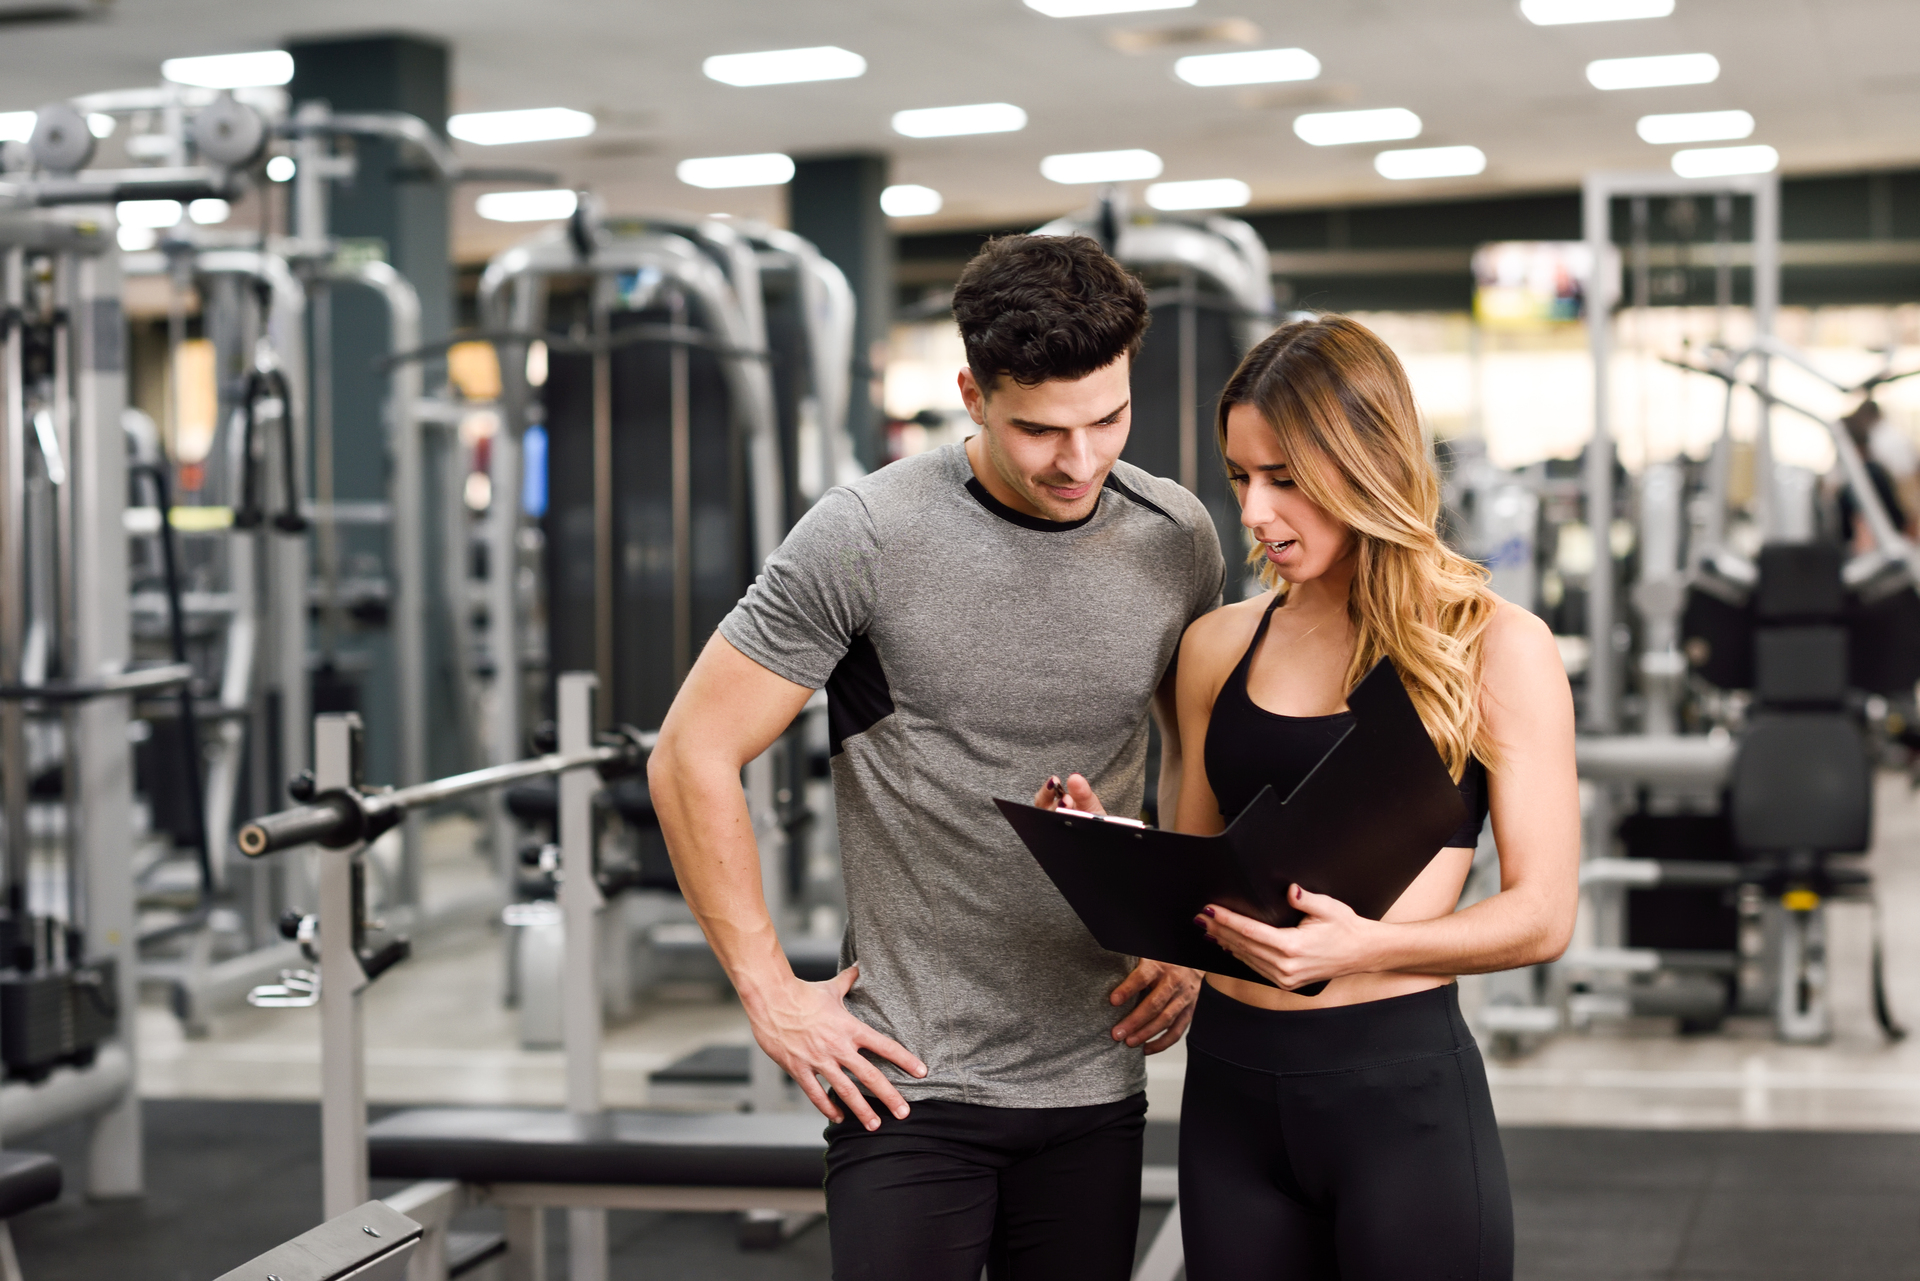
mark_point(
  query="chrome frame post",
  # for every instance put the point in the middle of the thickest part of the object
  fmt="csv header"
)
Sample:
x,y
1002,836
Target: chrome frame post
x,y
102,785
406,502
580,903
343,1070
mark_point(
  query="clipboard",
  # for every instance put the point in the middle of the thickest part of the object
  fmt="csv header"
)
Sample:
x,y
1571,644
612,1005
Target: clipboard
x,y
1361,826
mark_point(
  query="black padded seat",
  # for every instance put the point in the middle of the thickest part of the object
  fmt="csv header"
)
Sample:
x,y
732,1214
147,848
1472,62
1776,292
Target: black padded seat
x,y
27,1179
1802,781
623,1149
538,801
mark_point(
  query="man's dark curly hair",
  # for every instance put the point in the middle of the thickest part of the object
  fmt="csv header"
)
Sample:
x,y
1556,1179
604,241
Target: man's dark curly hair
x,y
1041,307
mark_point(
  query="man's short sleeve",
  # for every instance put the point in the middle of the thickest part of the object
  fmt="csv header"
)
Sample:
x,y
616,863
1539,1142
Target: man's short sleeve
x,y
815,594
1209,569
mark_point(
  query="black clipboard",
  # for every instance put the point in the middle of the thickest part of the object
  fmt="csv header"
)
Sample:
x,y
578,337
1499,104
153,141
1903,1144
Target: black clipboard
x,y
1361,826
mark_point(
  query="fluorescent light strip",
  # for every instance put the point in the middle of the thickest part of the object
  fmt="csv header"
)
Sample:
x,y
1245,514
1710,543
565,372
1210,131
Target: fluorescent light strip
x,y
785,66
527,206
1553,13
231,70
909,200
1430,162
762,169
1337,128
1200,193
1725,162
148,213
1248,67
1654,73
1088,8
531,124
951,122
1695,126
17,126
1101,166
209,210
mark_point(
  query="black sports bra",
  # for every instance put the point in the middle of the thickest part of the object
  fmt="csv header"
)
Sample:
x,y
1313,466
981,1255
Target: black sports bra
x,y
1249,747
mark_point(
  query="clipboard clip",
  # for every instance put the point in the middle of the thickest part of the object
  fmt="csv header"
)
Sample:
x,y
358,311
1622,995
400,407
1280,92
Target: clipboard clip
x,y
1104,818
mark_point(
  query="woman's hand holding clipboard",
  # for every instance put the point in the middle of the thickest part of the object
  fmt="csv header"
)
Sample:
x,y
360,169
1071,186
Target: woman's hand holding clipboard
x,y
1358,829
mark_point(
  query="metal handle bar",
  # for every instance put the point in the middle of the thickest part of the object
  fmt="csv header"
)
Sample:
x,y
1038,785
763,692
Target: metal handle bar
x,y
340,818
139,681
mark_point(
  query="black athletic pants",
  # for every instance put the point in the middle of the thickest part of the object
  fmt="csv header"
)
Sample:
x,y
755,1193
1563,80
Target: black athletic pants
x,y
1031,1194
1353,1143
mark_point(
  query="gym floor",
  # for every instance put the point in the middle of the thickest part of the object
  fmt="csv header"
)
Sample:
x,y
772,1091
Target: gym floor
x,y
1634,1153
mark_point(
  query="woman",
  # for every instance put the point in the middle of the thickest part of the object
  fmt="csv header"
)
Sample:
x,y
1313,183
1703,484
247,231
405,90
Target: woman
x,y
1351,1134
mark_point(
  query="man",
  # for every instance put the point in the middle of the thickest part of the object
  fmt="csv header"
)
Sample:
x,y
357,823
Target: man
x,y
980,616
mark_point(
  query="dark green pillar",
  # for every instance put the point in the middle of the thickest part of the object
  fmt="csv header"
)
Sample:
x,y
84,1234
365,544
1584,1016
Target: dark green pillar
x,y
396,209
834,201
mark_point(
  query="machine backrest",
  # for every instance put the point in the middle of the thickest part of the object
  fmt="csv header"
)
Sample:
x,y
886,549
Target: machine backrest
x,y
1802,781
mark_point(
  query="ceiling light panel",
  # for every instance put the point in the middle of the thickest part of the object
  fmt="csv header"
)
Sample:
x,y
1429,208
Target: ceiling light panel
x,y
763,169
1088,8
1430,162
1247,67
231,70
1101,166
527,206
1554,13
785,66
1337,128
909,200
1201,193
1695,126
1654,73
950,122
533,124
1725,162
148,213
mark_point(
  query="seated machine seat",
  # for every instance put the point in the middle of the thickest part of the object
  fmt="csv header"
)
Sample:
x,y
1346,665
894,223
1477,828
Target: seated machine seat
x,y
1802,783
27,1179
623,1149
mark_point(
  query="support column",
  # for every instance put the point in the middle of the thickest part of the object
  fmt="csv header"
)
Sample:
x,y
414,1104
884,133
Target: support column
x,y
834,201
395,209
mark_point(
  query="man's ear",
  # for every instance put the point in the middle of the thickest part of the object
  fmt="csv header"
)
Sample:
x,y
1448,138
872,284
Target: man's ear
x,y
974,396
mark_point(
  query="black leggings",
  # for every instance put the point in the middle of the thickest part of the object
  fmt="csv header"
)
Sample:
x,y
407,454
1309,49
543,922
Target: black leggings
x,y
1355,1142
1031,1194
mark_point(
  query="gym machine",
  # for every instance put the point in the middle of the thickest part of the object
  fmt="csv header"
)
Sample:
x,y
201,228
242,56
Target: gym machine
x,y
696,375
66,677
1714,836
244,543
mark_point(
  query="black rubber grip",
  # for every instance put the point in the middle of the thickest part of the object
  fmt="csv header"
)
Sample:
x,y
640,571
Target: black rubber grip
x,y
330,820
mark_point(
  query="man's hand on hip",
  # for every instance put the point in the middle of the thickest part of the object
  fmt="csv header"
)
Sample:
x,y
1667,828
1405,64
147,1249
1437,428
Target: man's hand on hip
x,y
1167,994
805,1028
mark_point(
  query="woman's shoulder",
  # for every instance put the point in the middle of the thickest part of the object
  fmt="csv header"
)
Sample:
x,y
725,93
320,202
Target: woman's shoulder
x,y
1224,634
1520,651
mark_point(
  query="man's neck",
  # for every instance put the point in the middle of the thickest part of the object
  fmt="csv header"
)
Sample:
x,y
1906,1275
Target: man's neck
x,y
993,482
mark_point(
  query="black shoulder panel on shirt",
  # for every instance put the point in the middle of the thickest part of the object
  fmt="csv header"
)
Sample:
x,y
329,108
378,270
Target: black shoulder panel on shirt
x,y
858,696
1115,483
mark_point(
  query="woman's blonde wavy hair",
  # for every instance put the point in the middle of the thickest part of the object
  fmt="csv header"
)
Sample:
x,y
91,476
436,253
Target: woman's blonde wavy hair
x,y
1338,400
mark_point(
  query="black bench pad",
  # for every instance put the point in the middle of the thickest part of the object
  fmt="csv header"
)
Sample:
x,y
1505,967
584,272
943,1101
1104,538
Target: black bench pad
x,y
627,1149
27,1179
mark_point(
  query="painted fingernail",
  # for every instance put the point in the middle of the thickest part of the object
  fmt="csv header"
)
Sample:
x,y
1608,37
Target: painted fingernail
x,y
1209,911
1201,921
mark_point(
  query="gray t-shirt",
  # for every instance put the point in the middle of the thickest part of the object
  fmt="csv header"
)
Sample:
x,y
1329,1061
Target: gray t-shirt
x,y
968,651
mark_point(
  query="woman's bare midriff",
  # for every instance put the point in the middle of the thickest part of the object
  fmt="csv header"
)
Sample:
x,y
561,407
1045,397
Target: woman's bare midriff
x,y
1436,893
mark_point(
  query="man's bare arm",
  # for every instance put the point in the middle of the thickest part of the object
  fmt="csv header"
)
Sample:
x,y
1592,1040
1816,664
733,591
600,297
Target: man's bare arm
x,y
728,712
